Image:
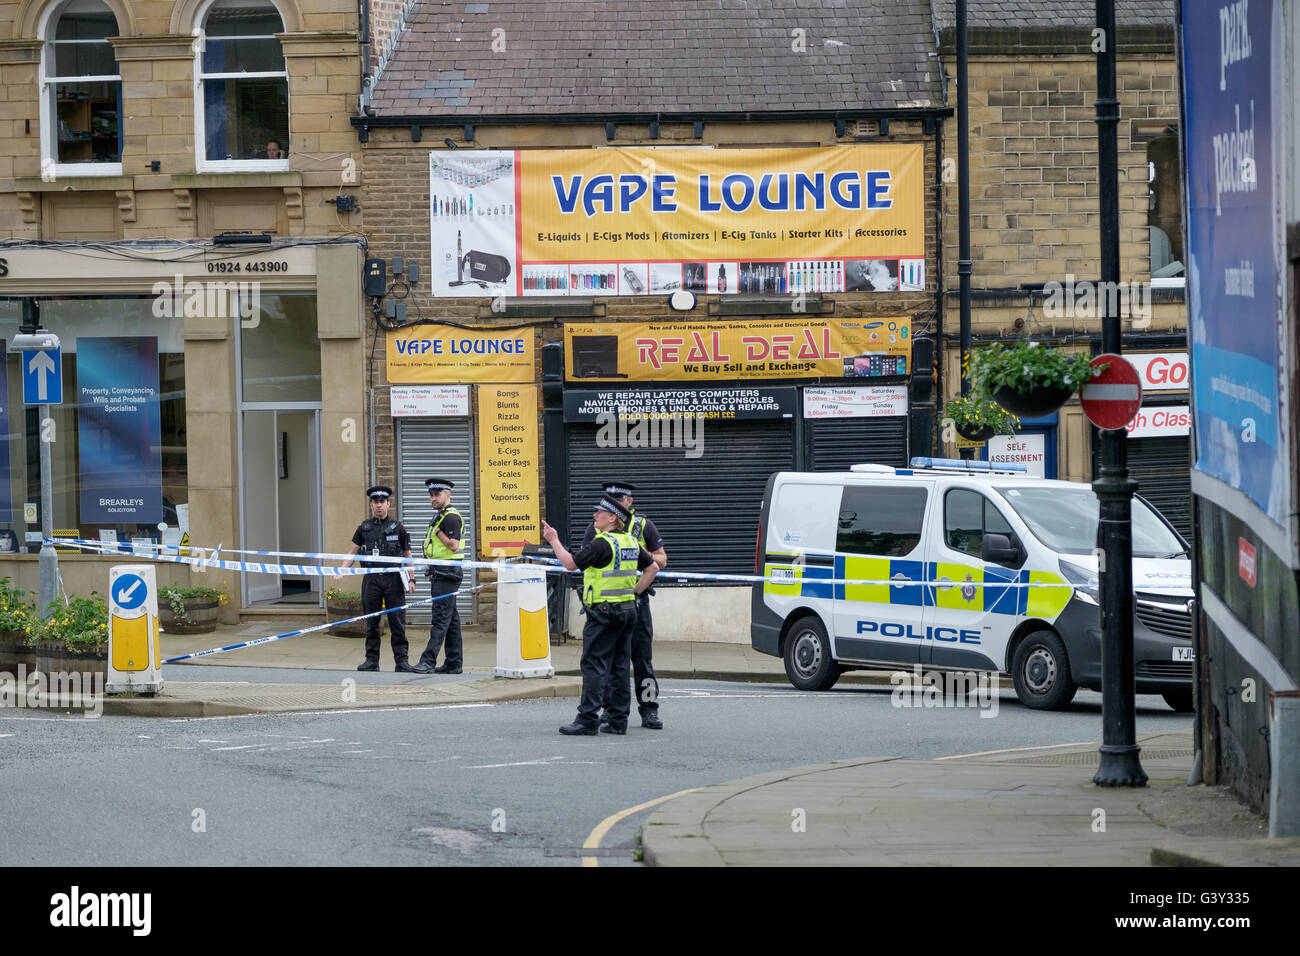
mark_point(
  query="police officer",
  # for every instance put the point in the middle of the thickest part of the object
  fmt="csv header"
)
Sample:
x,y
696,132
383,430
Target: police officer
x,y
610,585
443,542
645,686
381,536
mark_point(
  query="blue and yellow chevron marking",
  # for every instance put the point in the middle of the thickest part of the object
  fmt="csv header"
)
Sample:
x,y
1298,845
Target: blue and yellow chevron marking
x,y
796,580
1046,603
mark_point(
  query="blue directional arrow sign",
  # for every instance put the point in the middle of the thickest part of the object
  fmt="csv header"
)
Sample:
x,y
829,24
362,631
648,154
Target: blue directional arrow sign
x,y
129,591
43,377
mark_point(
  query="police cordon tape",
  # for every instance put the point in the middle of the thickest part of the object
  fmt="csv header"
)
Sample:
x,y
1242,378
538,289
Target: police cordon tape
x,y
550,565
322,627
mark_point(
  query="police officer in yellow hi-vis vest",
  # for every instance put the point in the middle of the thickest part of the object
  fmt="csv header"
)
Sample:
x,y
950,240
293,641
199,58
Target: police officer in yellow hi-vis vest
x,y
610,586
645,687
443,541
379,536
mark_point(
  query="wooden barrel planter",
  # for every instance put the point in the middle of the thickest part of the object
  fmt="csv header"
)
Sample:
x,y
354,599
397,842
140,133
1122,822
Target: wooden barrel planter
x,y
341,611
53,657
14,653
200,616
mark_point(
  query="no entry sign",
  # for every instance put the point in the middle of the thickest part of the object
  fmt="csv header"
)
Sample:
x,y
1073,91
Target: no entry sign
x,y
1112,398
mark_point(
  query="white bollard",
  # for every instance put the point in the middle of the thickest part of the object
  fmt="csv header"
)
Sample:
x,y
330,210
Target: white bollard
x,y
523,634
134,656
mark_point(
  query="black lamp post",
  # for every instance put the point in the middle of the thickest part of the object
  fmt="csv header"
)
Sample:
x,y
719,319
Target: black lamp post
x,y
1120,766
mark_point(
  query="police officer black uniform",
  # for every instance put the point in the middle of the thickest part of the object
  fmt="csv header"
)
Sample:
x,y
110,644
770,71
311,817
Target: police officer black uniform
x,y
645,685
381,536
443,542
615,569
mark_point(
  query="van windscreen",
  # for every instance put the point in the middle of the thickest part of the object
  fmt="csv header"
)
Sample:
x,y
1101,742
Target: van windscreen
x,y
1065,519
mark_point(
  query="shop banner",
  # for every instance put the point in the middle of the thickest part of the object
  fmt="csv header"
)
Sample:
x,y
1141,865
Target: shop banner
x,y
429,401
873,401
1232,71
676,403
119,434
510,508
1160,421
423,354
1160,371
649,221
717,350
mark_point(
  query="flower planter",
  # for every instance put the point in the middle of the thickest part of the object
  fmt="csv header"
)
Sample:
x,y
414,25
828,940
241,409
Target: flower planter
x,y
341,612
973,432
1042,400
53,657
14,653
200,614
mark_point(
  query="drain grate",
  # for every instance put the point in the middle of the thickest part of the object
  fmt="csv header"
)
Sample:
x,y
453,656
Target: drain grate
x,y
1087,758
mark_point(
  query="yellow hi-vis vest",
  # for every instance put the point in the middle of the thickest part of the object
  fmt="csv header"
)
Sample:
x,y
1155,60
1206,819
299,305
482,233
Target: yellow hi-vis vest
x,y
433,546
615,582
636,528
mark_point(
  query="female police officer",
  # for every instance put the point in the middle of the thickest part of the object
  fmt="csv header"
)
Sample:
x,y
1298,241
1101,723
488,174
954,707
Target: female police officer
x,y
610,587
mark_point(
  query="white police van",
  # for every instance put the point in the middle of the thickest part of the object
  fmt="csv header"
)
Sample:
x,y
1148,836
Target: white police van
x,y
936,549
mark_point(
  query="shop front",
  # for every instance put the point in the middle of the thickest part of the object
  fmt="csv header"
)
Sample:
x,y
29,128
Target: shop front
x,y
195,388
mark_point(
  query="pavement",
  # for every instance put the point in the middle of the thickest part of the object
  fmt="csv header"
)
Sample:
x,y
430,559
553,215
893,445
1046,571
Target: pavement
x,y
1029,806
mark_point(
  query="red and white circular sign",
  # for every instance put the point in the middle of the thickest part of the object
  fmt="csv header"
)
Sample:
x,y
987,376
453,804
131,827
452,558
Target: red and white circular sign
x,y
1112,398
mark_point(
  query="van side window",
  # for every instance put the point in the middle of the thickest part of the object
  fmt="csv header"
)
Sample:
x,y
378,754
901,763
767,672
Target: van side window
x,y
967,517
881,521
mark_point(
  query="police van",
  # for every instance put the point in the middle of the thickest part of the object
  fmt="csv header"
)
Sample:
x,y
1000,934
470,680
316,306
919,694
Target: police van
x,y
953,565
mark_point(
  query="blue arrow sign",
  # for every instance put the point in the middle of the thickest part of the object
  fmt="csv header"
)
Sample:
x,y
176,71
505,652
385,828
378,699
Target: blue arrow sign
x,y
43,377
129,591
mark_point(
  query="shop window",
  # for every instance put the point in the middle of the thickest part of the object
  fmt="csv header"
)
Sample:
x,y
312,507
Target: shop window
x,y
880,521
81,92
119,459
279,349
1165,208
242,111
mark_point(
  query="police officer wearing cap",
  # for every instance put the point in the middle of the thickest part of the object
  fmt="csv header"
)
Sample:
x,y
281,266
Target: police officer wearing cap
x,y
382,537
443,542
615,569
645,686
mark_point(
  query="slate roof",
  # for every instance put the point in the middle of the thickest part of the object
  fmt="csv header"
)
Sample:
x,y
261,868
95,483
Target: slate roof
x,y
666,56
1001,14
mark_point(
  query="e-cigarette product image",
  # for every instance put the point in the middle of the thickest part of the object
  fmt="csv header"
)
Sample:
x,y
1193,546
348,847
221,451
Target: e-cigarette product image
x,y
722,278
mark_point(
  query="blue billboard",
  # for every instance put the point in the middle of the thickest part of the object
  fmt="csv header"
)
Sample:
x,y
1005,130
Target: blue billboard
x,y
119,433
1231,65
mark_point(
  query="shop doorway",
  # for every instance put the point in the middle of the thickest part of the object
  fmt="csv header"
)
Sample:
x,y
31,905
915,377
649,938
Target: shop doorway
x,y
281,497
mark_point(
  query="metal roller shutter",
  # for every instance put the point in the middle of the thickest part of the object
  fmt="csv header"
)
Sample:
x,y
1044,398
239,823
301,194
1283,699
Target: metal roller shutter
x,y
436,448
1161,468
706,508
837,444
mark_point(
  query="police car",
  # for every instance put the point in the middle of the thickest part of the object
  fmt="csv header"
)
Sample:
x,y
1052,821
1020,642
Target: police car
x,y
957,565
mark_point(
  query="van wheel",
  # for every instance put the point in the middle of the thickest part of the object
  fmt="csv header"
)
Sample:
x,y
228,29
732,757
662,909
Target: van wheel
x,y
808,661
1040,671
1180,700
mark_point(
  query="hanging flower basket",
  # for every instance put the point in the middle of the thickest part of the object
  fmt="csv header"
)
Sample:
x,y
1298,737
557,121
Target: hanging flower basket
x,y
1034,403
1029,379
979,419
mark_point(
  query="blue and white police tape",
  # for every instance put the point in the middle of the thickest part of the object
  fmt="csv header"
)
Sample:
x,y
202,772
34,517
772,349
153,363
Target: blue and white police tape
x,y
322,627
786,577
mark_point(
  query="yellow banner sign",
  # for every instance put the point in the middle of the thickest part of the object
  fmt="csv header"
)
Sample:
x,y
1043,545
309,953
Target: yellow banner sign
x,y
509,504
440,353
767,348
714,205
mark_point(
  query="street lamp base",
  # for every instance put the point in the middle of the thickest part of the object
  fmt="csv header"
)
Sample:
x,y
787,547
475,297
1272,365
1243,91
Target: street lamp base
x,y
1120,767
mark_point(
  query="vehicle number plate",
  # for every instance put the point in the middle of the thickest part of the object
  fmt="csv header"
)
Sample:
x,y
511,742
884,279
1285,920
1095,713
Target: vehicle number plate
x,y
1184,654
